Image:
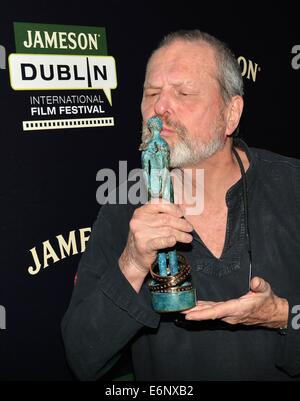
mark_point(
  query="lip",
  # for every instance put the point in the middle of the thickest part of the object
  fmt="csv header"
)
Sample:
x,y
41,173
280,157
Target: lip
x,y
166,131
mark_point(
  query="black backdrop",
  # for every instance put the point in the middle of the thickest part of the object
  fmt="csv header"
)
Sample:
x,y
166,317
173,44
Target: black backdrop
x,y
48,177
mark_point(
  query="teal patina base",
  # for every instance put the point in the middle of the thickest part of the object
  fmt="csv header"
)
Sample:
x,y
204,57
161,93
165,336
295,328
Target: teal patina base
x,y
173,301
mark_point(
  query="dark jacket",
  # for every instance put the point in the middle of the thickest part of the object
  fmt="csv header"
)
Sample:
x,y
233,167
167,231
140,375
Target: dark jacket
x,y
106,314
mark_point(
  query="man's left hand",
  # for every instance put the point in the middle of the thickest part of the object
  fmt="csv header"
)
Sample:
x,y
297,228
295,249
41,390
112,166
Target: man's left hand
x,y
260,306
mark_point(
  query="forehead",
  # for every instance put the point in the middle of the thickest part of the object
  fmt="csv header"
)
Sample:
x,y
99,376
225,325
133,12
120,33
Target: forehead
x,y
182,59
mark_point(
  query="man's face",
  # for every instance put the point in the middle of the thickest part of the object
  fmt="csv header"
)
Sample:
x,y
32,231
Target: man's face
x,y
181,87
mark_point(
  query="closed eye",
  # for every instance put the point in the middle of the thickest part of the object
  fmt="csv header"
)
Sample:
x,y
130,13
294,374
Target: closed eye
x,y
151,93
182,93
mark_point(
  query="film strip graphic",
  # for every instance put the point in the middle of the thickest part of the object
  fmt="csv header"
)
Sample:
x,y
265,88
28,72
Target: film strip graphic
x,y
67,123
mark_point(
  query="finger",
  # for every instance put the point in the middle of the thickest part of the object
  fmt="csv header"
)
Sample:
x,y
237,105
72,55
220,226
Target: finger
x,y
218,311
167,240
200,305
159,205
258,284
170,232
211,303
205,314
164,219
180,236
196,308
231,320
161,243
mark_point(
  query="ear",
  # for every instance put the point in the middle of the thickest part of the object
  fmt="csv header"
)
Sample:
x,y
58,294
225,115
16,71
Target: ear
x,y
234,112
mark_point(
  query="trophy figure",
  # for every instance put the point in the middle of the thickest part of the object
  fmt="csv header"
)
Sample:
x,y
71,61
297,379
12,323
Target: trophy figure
x,y
170,286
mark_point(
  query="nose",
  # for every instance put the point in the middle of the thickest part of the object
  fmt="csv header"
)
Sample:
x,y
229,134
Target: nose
x,y
163,104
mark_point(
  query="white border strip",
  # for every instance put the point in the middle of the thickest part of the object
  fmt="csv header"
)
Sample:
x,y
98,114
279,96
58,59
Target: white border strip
x,y
37,125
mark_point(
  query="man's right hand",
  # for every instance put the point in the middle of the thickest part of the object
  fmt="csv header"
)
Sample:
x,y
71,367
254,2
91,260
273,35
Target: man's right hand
x,y
154,226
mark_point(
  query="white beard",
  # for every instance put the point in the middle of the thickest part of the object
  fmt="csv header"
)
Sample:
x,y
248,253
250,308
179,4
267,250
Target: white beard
x,y
190,152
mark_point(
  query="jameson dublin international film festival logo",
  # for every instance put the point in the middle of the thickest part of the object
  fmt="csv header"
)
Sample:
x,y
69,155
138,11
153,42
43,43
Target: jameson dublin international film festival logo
x,y
72,72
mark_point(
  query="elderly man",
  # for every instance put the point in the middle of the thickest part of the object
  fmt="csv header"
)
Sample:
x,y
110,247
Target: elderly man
x,y
243,247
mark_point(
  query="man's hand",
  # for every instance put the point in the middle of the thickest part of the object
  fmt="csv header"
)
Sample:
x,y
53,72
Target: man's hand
x,y
154,226
260,306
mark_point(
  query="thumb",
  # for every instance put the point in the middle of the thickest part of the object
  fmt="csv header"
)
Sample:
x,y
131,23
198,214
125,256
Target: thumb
x,y
258,284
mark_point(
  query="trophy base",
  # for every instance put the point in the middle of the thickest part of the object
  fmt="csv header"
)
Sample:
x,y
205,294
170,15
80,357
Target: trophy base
x,y
172,293
176,299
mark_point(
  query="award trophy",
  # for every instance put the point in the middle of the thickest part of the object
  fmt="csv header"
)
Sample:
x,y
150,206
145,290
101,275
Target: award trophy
x,y
170,286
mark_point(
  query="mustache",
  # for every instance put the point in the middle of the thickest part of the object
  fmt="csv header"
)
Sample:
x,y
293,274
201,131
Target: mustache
x,y
176,126
179,128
